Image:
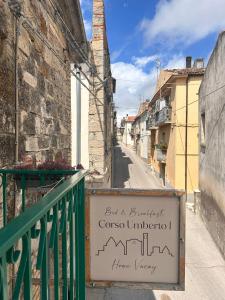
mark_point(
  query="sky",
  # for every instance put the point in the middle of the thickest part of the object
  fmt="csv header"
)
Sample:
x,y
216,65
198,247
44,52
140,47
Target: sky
x,y
145,33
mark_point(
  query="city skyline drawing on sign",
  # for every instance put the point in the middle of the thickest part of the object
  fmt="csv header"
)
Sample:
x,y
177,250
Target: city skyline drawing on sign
x,y
143,246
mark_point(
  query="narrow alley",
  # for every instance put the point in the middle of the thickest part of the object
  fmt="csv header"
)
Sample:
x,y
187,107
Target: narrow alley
x,y
132,172
205,267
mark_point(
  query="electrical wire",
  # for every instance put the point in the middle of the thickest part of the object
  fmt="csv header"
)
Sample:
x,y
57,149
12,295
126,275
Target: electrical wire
x,y
74,43
27,25
209,139
189,173
199,99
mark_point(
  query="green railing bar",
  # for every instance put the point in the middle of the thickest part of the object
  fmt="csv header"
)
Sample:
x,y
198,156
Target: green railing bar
x,y
44,265
71,229
82,241
4,183
28,271
10,234
77,248
38,172
64,251
23,187
56,254
21,269
4,277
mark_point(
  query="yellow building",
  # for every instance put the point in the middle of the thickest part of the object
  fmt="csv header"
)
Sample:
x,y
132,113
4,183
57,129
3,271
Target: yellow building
x,y
173,122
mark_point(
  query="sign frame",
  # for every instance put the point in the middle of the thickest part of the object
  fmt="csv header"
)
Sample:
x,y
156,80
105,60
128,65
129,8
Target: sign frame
x,y
179,194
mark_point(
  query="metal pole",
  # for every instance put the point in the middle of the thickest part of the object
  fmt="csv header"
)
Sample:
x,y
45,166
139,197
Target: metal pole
x,y
78,92
186,139
16,91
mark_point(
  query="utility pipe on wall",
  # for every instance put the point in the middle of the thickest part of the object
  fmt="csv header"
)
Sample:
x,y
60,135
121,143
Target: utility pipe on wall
x,y
186,139
16,90
78,96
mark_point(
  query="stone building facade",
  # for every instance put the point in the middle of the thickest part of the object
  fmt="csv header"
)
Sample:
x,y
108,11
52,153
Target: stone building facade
x,y
212,144
101,104
44,54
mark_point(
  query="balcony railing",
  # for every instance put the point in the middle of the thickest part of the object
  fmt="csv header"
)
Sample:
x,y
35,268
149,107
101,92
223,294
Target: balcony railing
x,y
163,116
151,122
44,246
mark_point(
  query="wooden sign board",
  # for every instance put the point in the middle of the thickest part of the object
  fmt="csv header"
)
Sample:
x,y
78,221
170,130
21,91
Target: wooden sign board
x,y
135,238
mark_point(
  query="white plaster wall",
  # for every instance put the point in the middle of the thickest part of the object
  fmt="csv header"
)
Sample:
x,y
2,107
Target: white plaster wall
x,y
144,138
84,122
212,146
127,140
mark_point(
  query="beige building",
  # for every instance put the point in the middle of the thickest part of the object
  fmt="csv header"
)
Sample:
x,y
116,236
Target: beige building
x,y
173,121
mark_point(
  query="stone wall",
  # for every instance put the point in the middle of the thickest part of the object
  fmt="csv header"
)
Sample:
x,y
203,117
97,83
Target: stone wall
x,y
212,147
43,86
100,107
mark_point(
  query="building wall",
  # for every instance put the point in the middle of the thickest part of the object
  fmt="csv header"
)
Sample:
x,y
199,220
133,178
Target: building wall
x,y
43,87
212,150
144,138
100,105
192,151
127,139
174,136
164,132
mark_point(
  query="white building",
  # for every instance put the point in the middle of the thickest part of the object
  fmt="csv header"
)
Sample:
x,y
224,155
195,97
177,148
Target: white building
x,y
126,123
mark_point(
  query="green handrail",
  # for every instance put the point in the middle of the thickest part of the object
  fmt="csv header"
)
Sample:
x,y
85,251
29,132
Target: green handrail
x,y
26,176
55,222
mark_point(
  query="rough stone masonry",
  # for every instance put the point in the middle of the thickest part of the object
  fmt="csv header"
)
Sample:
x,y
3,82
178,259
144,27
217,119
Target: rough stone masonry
x,y
43,86
100,107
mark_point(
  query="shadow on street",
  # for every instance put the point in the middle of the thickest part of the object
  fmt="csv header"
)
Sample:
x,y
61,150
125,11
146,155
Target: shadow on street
x,y
121,170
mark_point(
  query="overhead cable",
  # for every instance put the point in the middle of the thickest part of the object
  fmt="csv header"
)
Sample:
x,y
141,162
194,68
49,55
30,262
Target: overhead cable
x,y
74,44
26,23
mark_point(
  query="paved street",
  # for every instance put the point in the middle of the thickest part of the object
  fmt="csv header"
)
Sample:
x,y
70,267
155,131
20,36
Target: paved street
x,y
205,267
131,172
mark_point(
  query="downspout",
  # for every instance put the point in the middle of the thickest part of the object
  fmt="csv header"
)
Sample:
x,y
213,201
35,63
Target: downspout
x,y
16,90
78,92
16,95
186,139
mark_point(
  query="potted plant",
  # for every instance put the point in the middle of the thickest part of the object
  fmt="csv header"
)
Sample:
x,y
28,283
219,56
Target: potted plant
x,y
162,146
41,176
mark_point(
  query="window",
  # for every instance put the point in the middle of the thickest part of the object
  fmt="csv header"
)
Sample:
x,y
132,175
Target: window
x,y
203,129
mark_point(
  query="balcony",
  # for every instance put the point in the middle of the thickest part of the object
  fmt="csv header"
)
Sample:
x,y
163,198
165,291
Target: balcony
x,y
151,123
161,155
43,248
163,116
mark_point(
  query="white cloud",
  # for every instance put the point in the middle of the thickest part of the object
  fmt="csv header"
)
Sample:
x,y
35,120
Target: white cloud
x,y
88,28
144,60
184,21
176,62
86,7
133,85
116,54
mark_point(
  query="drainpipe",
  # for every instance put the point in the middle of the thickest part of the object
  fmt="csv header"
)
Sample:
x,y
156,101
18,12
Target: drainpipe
x,y
186,138
16,90
78,91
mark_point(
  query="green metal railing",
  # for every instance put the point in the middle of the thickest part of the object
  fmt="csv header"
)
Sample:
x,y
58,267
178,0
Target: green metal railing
x,y
24,178
54,229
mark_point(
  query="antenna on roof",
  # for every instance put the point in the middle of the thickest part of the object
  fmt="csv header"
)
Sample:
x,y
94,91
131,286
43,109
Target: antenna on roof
x,y
158,66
